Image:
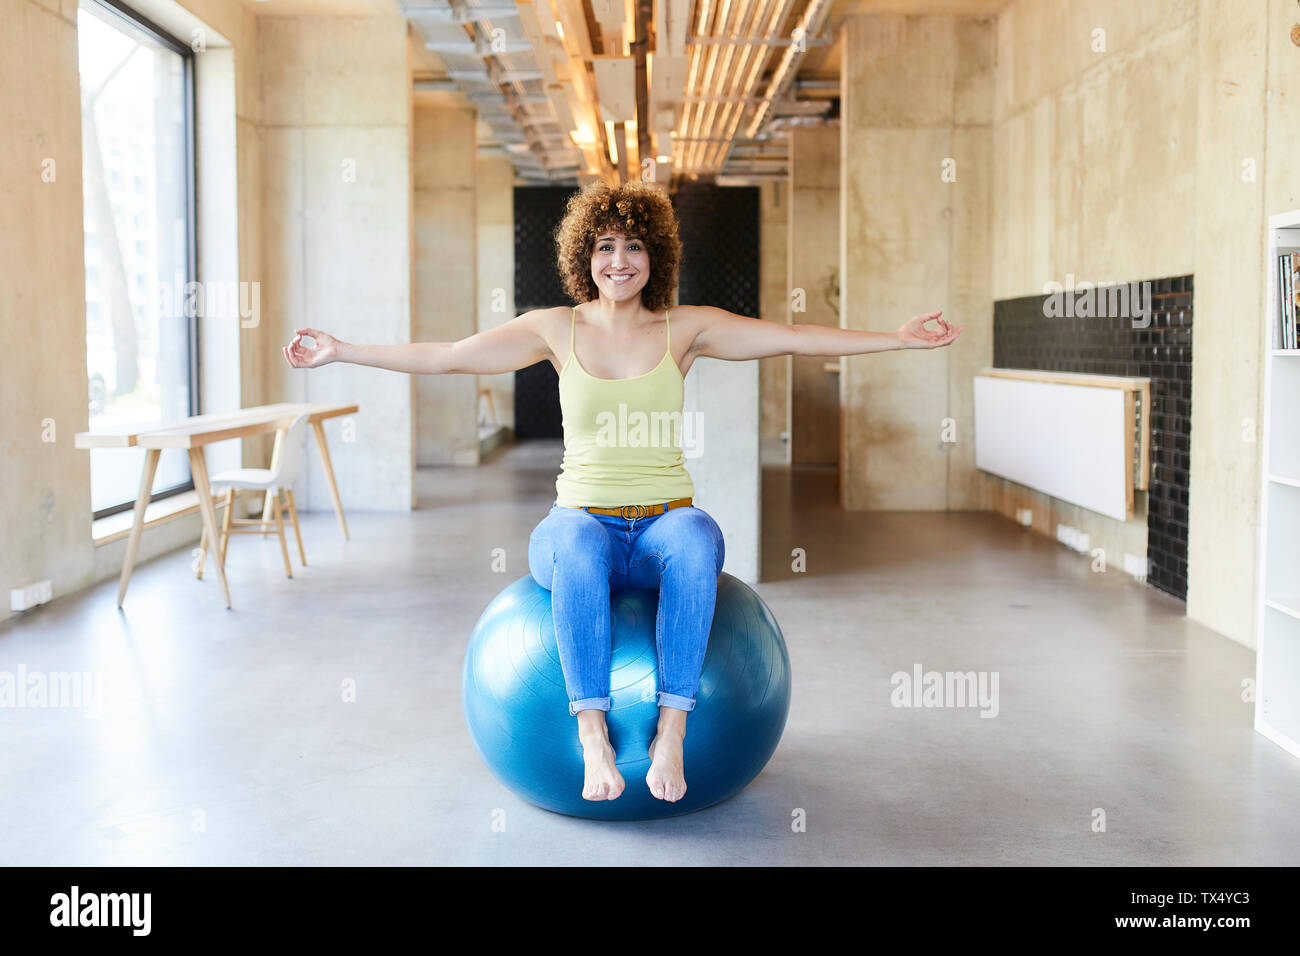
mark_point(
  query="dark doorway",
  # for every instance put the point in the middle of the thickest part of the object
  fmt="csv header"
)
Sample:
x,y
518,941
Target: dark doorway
x,y
538,210
719,230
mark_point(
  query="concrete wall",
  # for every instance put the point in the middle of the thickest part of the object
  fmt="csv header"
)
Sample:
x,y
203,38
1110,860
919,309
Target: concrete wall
x,y
495,198
303,168
723,398
1282,173
1248,108
1231,214
814,275
774,306
47,518
1094,160
46,484
1162,154
1095,150
446,253
917,101
336,212
1127,141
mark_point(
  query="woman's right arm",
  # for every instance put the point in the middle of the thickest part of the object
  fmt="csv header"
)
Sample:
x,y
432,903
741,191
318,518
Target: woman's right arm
x,y
513,345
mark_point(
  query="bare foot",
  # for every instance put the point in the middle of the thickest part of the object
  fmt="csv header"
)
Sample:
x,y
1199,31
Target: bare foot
x,y
667,776
602,781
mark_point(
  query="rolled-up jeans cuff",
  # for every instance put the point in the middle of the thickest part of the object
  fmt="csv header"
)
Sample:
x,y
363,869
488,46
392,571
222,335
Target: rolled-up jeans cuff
x,y
588,703
672,700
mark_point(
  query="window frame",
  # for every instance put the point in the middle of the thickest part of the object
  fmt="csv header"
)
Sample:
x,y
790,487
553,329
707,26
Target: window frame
x,y
133,18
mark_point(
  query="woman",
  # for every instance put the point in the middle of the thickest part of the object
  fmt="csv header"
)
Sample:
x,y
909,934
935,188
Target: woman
x,y
623,515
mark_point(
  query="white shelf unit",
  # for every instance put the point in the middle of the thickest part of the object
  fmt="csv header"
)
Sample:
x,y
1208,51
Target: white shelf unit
x,y
1277,658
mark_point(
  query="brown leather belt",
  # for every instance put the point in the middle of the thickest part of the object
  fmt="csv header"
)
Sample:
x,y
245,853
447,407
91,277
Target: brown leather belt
x,y
635,511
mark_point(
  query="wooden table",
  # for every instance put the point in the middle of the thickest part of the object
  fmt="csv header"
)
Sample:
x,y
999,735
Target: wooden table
x,y
194,434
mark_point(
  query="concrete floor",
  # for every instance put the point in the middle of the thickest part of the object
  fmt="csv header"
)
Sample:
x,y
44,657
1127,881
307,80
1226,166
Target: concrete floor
x,y
223,737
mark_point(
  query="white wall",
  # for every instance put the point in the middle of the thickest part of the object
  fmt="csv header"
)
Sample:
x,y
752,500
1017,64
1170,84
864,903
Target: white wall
x,y
727,474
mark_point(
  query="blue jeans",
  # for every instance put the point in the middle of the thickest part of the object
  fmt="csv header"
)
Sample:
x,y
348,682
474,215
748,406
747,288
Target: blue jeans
x,y
580,557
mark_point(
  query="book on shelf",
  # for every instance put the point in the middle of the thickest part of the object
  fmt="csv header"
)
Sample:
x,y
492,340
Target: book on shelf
x,y
1279,322
1287,330
1288,297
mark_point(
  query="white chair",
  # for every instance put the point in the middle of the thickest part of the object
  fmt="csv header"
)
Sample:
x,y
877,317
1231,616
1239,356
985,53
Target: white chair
x,y
270,481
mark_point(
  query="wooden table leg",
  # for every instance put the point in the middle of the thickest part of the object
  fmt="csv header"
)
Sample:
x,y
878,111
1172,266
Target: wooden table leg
x,y
225,522
203,545
266,498
141,503
203,554
279,527
319,429
293,513
199,469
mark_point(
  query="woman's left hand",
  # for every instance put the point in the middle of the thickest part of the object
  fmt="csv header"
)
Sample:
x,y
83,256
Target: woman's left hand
x,y
914,334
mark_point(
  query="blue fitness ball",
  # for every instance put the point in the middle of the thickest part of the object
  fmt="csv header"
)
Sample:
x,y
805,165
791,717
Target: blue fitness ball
x,y
518,709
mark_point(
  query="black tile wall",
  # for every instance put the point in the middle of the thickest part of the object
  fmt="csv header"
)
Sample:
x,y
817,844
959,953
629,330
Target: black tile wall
x,y
1024,337
538,210
719,229
537,402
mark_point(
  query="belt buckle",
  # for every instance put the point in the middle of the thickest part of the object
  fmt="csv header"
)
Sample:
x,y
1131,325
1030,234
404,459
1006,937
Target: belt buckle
x,y
638,511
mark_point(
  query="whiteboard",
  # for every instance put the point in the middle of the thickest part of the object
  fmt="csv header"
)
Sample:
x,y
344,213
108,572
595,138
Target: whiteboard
x,y
1068,441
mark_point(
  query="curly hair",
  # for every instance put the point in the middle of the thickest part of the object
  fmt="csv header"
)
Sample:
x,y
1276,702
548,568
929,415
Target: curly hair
x,y
633,208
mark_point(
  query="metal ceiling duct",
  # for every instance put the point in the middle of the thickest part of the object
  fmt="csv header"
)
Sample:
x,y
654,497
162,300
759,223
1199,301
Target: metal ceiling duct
x,y
490,61
738,61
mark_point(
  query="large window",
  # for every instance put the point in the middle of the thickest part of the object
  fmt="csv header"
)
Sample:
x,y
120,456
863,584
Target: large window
x,y
138,172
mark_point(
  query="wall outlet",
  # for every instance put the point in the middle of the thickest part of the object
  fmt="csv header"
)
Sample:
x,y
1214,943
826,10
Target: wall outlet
x,y
20,599
1072,537
1135,566
1025,516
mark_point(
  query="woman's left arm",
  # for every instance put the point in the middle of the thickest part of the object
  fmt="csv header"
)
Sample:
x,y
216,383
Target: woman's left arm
x,y
725,335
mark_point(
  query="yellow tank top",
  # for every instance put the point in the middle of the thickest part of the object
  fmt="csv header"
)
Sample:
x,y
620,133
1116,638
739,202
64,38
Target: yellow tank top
x,y
622,436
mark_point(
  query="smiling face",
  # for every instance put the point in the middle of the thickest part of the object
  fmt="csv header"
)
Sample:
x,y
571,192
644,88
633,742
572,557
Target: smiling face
x,y
620,265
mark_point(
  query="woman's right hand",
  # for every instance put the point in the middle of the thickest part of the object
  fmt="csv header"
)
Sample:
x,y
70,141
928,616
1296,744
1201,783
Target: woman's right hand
x,y
325,350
